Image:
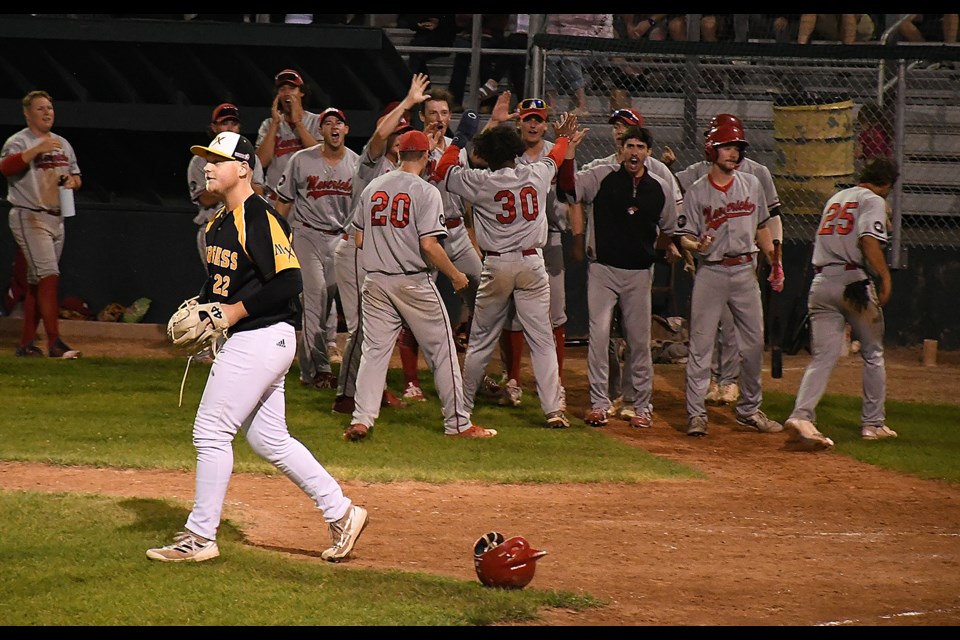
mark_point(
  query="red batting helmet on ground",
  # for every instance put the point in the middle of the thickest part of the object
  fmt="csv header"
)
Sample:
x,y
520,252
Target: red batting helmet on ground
x,y
505,564
726,133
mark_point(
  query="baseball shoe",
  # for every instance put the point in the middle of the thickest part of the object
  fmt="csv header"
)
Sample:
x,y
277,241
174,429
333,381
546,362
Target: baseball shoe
x,y
713,394
29,351
414,393
729,393
186,547
641,421
345,532
62,351
333,354
627,412
475,431
614,406
803,436
877,432
557,420
510,394
344,404
391,400
596,417
356,432
759,423
697,427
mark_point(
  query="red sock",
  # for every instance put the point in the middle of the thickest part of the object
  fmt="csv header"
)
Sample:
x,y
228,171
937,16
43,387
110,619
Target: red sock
x,y
49,307
560,337
409,355
31,316
514,354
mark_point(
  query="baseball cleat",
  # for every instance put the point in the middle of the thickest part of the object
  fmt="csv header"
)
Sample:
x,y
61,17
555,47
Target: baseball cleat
x,y
641,421
557,420
391,400
62,351
510,394
759,423
697,427
877,432
475,431
802,435
344,404
356,432
29,351
414,393
186,547
596,417
345,532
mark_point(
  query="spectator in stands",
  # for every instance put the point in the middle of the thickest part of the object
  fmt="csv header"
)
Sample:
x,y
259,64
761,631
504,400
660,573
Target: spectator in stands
x,y
713,27
570,72
289,129
513,67
780,27
438,30
846,28
875,134
634,26
927,27
493,28
225,117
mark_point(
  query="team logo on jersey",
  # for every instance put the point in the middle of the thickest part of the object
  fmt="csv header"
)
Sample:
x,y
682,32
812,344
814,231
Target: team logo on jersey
x,y
681,221
281,250
282,180
443,220
878,227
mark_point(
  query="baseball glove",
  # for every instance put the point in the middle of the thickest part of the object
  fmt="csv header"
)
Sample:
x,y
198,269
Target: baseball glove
x,y
857,295
195,326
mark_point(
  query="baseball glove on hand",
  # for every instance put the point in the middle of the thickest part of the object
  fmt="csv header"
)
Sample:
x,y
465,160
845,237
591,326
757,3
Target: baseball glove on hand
x,y
857,295
196,326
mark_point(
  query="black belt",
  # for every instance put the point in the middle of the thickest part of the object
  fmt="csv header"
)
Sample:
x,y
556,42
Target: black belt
x,y
846,267
524,252
326,231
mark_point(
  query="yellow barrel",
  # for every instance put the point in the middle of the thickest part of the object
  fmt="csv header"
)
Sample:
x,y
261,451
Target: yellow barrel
x,y
814,143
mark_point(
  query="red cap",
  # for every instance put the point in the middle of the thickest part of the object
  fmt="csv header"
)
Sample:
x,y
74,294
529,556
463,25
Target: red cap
x,y
288,76
402,126
332,111
225,111
627,115
414,141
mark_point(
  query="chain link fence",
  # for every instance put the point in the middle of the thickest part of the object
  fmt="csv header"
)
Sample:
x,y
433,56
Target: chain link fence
x,y
812,114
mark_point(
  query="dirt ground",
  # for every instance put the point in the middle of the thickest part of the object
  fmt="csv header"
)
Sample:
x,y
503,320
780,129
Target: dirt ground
x,y
771,537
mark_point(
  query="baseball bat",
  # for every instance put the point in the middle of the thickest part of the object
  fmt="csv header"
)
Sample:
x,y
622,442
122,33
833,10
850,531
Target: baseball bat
x,y
776,355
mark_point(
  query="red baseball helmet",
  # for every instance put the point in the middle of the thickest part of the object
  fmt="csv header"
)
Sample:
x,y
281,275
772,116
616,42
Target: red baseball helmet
x,y
724,118
505,564
720,135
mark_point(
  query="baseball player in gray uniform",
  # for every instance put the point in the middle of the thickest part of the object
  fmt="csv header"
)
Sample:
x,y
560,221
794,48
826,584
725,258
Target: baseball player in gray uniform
x,y
399,218
634,209
621,389
847,250
509,203
225,117
724,220
288,129
726,357
317,186
435,114
378,156
36,163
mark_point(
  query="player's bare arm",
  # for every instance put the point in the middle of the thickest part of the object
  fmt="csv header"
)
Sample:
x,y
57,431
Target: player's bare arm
x,y
877,261
765,242
501,111
283,208
438,257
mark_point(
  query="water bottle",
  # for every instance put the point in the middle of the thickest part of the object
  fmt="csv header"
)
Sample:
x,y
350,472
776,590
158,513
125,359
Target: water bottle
x,y
67,208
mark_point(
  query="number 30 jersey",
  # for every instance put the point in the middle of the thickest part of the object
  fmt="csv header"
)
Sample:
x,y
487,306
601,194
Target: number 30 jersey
x,y
848,215
246,248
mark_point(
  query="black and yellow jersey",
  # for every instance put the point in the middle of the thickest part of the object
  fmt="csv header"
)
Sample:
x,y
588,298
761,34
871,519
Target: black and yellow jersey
x,y
246,249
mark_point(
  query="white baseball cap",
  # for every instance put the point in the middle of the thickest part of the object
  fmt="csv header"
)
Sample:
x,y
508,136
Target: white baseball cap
x,y
230,146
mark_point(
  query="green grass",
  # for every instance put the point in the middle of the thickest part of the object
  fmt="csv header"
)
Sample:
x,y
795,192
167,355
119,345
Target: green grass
x,y
123,413
79,560
927,443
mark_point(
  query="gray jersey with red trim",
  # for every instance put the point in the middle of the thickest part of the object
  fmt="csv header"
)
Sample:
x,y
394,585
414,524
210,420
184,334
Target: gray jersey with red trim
x,y
730,214
556,210
39,186
699,169
654,166
509,205
325,190
286,144
847,216
394,212
452,204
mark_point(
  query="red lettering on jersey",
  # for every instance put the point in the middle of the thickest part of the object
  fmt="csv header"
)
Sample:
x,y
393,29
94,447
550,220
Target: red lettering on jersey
x,y
317,188
838,219
715,218
284,147
52,160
